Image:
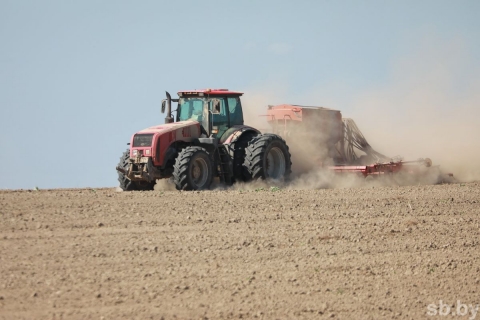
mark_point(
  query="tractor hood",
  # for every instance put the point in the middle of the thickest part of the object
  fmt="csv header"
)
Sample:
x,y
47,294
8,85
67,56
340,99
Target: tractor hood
x,y
169,127
154,141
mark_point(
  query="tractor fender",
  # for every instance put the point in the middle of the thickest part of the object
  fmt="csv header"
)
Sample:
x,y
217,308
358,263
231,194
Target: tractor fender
x,y
170,154
235,132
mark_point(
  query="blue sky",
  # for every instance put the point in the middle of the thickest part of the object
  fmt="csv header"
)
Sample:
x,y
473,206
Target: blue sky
x,y
77,79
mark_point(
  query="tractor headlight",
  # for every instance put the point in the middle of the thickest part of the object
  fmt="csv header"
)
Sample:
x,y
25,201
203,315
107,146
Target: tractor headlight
x,y
135,153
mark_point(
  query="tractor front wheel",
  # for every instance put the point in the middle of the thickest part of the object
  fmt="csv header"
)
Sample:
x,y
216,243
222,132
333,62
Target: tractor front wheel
x,y
267,157
193,169
127,184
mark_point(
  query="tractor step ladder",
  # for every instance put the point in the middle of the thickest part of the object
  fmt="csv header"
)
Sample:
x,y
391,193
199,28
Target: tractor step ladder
x,y
225,173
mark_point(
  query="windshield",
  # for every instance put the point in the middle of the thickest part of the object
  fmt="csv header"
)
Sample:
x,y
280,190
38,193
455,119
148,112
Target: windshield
x,y
191,109
216,113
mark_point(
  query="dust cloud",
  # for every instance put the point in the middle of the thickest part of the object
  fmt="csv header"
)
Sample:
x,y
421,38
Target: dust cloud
x,y
255,103
307,153
165,185
308,148
428,106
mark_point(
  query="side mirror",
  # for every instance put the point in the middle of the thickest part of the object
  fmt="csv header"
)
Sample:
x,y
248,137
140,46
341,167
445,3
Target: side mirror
x,y
163,106
216,106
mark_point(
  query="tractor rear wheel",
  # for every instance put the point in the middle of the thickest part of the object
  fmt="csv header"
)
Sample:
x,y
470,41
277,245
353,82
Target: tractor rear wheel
x,y
193,169
267,157
239,171
127,184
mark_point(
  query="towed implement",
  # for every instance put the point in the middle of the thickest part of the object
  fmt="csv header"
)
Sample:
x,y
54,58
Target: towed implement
x,y
320,137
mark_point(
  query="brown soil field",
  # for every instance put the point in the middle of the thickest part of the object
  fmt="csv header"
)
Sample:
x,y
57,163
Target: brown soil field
x,y
350,253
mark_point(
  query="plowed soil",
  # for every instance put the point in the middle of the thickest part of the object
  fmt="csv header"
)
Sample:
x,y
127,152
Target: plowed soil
x,y
360,253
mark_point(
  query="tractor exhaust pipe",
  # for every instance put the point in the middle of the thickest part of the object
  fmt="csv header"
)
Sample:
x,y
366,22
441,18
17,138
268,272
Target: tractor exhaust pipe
x,y
169,118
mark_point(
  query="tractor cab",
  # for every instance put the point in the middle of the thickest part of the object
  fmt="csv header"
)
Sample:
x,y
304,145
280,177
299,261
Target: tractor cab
x,y
216,110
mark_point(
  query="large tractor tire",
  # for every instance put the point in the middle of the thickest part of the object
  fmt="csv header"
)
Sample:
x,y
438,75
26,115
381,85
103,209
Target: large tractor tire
x,y
240,172
193,169
127,184
267,157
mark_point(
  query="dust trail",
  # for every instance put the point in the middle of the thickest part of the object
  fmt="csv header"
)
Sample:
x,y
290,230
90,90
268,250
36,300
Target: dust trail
x,y
255,102
307,153
165,185
308,148
429,108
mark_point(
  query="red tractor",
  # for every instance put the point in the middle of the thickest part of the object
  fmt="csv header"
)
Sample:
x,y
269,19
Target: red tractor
x,y
206,139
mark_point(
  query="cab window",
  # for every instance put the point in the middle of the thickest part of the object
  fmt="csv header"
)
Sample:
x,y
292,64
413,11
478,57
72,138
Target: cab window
x,y
235,110
219,114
